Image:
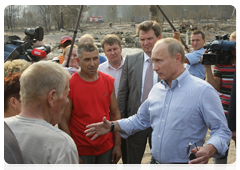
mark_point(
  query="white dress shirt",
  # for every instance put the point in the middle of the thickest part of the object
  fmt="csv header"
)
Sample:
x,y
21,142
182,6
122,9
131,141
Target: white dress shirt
x,y
107,68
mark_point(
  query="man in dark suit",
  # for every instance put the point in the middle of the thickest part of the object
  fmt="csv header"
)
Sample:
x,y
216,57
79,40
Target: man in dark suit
x,y
131,89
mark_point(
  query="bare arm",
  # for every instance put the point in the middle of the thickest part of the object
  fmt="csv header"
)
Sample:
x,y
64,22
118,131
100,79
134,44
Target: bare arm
x,y
114,111
186,60
65,118
214,81
177,36
64,125
115,115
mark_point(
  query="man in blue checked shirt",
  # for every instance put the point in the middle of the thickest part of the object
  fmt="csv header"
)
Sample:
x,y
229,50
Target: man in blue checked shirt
x,y
180,109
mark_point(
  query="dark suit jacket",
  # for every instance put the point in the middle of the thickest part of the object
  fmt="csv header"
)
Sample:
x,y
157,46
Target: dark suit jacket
x,y
129,92
233,104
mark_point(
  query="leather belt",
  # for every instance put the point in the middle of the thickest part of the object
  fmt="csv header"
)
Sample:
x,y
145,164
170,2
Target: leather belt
x,y
175,166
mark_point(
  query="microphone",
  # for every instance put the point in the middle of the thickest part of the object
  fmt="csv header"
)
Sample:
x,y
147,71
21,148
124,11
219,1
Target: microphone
x,y
38,53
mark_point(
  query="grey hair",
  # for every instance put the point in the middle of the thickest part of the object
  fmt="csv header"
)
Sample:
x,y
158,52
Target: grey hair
x,y
87,47
40,78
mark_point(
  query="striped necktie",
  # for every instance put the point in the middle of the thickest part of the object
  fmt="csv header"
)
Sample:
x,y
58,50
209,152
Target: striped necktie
x,y
148,82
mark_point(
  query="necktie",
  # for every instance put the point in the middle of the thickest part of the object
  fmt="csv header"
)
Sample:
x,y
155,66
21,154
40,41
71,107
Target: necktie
x,y
148,82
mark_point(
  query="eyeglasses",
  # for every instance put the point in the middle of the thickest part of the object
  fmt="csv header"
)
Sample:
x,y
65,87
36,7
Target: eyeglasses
x,y
191,155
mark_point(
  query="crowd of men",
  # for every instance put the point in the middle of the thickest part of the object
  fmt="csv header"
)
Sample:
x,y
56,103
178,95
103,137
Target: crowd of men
x,y
98,112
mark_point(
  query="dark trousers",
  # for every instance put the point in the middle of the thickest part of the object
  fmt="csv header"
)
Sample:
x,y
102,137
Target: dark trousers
x,y
124,150
136,145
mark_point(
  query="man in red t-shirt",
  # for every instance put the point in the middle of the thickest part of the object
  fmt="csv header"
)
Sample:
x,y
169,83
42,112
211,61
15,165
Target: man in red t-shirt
x,y
91,97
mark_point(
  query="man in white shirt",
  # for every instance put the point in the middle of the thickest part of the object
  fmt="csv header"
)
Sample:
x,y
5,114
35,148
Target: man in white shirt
x,y
112,48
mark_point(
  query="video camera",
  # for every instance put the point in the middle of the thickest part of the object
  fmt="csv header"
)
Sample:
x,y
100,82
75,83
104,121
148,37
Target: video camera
x,y
14,48
221,49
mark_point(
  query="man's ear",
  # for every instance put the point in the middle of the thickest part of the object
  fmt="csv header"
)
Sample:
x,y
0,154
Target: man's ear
x,y
12,102
178,58
51,97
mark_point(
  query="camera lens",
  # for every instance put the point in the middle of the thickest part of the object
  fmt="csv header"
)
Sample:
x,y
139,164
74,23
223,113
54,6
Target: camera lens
x,y
30,32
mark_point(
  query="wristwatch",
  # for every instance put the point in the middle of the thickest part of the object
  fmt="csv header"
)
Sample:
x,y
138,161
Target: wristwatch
x,y
112,127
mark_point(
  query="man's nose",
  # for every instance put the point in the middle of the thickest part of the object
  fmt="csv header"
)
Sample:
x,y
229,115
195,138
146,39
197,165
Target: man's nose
x,y
92,63
146,42
154,67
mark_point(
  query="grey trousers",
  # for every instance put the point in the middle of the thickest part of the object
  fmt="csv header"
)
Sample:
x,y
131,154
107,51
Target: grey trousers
x,y
105,158
136,145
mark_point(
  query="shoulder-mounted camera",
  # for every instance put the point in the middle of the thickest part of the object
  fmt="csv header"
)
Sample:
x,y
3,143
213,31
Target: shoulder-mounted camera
x,y
221,51
15,48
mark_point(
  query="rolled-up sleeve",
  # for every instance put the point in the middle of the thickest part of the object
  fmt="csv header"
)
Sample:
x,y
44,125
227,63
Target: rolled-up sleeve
x,y
195,56
216,121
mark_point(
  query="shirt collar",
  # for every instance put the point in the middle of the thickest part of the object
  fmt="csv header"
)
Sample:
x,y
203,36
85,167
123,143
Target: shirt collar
x,y
178,82
146,57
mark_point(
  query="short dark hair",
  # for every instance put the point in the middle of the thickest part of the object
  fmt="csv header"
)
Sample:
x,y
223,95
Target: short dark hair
x,y
65,44
199,32
148,25
111,39
11,88
87,47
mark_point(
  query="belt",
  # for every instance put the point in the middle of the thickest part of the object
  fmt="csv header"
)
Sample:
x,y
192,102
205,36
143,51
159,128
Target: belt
x,y
176,166
156,162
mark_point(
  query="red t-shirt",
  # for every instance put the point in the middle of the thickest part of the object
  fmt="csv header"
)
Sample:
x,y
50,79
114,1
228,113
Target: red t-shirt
x,y
91,102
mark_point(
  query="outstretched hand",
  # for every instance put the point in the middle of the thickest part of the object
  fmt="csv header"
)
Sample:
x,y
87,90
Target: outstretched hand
x,y
98,129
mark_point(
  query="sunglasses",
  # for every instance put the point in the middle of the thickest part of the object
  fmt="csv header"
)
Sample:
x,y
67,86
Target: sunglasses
x,y
191,155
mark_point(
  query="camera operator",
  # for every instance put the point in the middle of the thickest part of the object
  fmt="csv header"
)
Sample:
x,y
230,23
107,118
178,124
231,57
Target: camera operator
x,y
192,58
222,79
